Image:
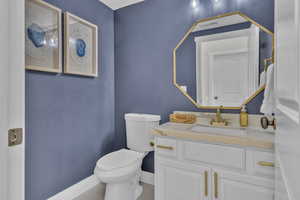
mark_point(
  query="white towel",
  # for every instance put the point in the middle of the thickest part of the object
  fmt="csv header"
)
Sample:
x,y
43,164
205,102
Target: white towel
x,y
262,79
268,104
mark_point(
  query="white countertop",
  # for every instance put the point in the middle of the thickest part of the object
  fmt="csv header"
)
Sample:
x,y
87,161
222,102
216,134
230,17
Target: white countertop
x,y
251,137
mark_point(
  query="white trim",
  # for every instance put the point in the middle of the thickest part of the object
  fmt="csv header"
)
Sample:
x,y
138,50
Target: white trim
x,y
220,22
89,183
16,98
289,112
254,44
4,62
284,177
77,189
236,51
225,35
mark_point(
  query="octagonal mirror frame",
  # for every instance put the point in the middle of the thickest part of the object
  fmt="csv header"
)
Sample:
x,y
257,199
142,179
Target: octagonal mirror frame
x,y
256,93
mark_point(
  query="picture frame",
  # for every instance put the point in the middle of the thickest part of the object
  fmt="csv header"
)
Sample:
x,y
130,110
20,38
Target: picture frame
x,y
81,46
43,40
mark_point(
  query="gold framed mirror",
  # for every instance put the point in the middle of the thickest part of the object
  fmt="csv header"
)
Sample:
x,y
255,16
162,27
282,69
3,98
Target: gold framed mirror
x,y
220,61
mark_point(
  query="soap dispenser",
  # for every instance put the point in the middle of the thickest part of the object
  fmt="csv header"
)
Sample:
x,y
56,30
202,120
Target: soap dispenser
x,y
244,117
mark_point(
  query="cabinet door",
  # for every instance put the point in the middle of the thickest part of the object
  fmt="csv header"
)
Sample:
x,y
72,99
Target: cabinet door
x,y
175,181
231,186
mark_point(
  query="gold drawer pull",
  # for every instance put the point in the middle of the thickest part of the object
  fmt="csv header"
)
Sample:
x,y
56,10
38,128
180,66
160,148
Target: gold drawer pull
x,y
164,147
206,183
160,132
216,185
152,144
266,164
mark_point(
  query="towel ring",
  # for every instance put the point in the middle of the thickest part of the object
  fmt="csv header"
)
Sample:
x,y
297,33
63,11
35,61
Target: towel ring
x,y
267,62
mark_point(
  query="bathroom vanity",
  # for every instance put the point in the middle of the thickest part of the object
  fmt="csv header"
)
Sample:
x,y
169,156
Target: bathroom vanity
x,y
220,64
196,162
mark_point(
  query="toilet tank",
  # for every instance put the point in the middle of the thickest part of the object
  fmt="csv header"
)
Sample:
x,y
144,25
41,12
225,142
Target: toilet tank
x,y
138,131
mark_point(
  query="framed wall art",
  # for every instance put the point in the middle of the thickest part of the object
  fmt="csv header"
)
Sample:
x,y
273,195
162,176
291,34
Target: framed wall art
x,y
43,42
81,46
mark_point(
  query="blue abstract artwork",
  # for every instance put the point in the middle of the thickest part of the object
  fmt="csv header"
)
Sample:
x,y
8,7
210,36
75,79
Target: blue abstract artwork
x,y
80,47
37,35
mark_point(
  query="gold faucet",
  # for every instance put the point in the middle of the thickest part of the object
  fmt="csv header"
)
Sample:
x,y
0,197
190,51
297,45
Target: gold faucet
x,y
218,119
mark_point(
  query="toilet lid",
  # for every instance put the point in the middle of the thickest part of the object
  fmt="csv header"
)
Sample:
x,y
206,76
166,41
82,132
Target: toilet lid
x,y
119,159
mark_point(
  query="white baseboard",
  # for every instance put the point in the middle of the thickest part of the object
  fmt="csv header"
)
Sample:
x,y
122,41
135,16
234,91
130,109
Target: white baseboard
x,y
91,182
77,189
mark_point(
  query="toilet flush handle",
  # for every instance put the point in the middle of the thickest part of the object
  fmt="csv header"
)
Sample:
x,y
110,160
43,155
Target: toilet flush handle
x,y
152,144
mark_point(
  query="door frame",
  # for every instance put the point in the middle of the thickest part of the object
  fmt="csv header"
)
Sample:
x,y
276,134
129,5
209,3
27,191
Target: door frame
x,y
12,98
287,97
252,33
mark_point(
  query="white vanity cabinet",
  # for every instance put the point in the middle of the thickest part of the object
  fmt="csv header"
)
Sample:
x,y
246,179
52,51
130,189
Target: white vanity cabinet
x,y
234,186
177,181
202,171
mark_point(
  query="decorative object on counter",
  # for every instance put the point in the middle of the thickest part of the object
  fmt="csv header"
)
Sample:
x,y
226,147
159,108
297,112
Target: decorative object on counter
x,y
204,119
244,121
183,118
43,46
266,122
218,120
81,46
227,70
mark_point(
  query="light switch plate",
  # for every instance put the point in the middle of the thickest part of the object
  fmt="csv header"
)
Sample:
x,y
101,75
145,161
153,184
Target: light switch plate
x,y
15,136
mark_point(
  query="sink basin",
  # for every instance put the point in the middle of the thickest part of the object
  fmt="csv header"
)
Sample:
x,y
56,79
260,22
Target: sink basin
x,y
218,130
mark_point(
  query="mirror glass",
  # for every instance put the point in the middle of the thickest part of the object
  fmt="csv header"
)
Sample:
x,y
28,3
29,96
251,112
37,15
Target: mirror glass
x,y
222,61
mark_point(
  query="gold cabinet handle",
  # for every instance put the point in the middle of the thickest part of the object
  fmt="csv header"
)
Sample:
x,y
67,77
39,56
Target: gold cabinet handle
x,y
160,132
266,164
216,185
165,147
206,183
152,144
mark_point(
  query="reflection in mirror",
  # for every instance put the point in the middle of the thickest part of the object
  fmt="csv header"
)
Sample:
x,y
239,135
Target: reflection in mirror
x,y
222,61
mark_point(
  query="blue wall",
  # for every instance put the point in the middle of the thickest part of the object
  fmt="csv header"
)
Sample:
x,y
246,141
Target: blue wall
x,y
145,35
70,119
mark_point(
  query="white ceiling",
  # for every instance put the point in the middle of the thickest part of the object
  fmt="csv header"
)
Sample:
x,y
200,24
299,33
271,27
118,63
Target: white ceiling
x,y
220,22
116,4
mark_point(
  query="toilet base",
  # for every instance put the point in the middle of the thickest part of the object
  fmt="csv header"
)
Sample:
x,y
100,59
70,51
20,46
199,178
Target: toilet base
x,y
123,183
123,191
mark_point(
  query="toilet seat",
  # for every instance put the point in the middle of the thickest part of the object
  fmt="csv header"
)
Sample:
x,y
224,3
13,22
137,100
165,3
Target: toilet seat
x,y
119,159
118,165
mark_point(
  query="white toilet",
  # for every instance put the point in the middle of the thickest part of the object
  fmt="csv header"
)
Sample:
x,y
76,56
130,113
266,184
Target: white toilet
x,y
121,170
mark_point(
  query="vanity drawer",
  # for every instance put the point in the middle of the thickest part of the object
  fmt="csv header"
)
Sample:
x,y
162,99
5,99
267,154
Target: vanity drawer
x,y
215,154
260,163
166,147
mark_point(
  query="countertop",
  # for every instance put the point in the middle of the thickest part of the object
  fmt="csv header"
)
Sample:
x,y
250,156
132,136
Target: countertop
x,y
252,138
